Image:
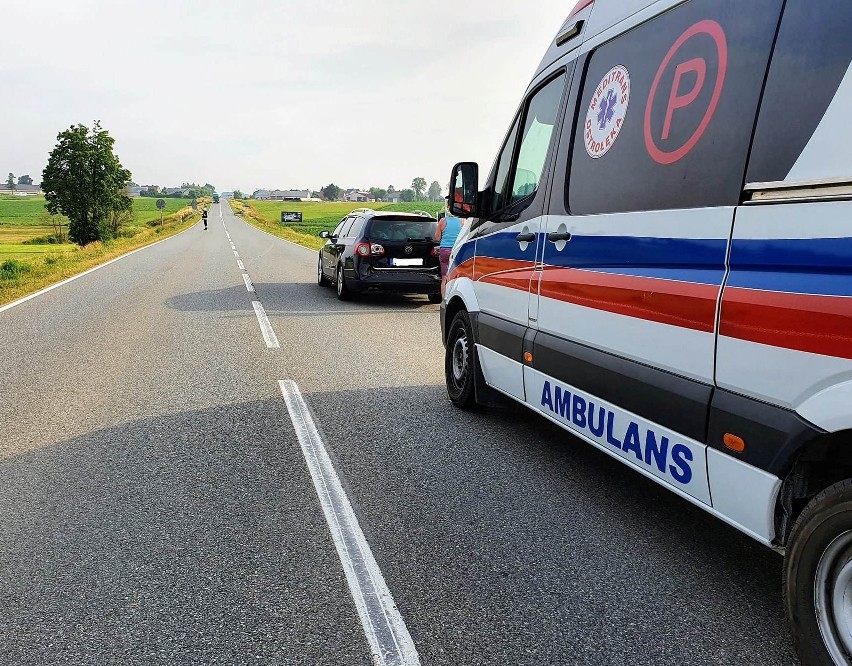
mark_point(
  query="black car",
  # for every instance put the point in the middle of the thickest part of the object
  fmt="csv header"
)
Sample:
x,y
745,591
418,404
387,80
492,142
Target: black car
x,y
379,251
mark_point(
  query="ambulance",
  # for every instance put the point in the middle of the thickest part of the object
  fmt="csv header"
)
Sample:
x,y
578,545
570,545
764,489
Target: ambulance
x,y
660,261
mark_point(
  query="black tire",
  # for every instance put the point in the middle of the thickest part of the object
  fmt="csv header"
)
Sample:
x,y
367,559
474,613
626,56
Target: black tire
x,y
435,298
461,363
818,562
343,292
322,280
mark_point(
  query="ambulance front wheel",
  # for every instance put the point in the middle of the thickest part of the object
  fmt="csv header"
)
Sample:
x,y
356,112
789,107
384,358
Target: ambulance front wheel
x,y
460,362
818,579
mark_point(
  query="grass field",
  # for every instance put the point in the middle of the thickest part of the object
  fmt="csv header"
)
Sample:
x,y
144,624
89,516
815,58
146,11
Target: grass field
x,y
26,267
30,211
316,216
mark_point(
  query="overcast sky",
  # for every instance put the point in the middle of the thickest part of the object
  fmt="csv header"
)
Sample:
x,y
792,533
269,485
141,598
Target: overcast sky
x,y
261,93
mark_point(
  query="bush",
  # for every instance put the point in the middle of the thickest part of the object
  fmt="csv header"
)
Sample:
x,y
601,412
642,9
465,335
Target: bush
x,y
43,240
50,260
12,270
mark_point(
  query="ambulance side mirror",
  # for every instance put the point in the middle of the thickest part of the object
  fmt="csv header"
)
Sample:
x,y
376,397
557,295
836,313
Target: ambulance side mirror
x,y
464,190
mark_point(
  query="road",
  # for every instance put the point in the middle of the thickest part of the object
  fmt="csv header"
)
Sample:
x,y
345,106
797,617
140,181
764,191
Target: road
x,y
157,506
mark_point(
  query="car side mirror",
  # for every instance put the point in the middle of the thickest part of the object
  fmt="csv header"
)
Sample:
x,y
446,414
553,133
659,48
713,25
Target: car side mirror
x,y
464,190
324,234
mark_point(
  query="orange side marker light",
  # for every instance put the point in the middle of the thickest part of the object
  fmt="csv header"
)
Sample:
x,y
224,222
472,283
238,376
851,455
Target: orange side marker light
x,y
528,357
734,443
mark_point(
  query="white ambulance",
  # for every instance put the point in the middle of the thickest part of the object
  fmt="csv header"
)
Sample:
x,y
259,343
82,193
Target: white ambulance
x,y
660,261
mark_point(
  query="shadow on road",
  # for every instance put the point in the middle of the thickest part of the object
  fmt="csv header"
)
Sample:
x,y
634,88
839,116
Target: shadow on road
x,y
197,538
304,299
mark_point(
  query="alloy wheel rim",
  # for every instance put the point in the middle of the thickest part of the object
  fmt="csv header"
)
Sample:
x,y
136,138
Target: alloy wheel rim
x,y
339,282
833,599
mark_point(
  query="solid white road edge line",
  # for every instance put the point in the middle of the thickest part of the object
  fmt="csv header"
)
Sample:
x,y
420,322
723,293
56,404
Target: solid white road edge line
x,y
240,264
11,305
265,326
390,642
247,280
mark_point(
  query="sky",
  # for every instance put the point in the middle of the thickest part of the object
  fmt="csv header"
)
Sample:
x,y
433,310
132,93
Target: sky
x,y
248,94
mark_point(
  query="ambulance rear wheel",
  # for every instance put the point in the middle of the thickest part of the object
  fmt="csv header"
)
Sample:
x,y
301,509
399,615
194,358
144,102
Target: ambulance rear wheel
x,y
818,579
460,363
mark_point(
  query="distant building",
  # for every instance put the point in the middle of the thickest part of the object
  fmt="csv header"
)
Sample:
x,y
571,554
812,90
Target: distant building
x,y
289,195
134,190
393,197
182,191
358,196
261,195
21,190
226,195
151,188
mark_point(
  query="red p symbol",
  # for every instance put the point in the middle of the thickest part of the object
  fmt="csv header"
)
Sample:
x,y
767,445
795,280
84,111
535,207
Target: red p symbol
x,y
678,101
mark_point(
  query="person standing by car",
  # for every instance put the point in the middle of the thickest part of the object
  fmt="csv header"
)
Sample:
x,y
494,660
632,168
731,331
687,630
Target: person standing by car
x,y
449,228
204,217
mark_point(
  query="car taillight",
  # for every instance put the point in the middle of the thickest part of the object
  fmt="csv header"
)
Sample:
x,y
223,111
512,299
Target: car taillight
x,y
362,249
434,252
375,248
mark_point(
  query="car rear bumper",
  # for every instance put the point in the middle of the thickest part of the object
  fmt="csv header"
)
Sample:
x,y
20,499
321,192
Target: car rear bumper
x,y
426,281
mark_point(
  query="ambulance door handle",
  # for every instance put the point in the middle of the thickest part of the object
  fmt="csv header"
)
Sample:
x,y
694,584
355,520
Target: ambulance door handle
x,y
525,238
557,237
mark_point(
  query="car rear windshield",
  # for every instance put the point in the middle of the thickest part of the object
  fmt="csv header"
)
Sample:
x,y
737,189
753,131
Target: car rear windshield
x,y
401,229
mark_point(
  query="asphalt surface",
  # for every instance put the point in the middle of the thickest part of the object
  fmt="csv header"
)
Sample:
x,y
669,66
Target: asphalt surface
x,y
156,508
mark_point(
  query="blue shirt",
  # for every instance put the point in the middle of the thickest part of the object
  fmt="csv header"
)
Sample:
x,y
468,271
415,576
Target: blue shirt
x,y
451,231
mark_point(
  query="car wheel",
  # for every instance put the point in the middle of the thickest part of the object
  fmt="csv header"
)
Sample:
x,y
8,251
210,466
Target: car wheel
x,y
818,579
435,298
343,292
460,363
322,280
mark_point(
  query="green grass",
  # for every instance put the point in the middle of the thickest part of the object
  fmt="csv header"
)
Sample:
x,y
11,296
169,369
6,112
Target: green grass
x,y
22,211
26,268
30,211
29,253
316,216
145,208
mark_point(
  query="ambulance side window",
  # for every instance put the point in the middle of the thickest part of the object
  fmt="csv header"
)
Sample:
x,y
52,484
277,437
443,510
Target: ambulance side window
x,y
522,162
667,109
501,182
535,140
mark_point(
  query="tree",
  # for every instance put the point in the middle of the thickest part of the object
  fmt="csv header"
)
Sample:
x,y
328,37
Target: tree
x,y
238,194
25,180
435,191
331,192
378,193
408,196
10,182
419,187
119,216
391,189
85,181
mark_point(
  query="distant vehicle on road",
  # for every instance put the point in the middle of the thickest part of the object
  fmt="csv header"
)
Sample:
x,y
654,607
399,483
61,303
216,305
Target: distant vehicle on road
x,y
376,251
215,198
659,262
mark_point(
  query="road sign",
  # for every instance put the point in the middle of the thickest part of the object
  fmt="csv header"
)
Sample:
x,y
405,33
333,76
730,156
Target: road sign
x,y
161,204
290,218
194,204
